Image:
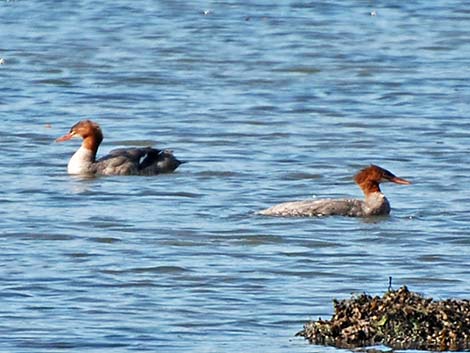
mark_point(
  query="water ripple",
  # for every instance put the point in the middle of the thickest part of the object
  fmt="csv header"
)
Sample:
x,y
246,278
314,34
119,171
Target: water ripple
x,y
269,102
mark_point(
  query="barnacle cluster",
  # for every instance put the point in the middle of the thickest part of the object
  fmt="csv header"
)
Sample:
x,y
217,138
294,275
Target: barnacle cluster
x,y
400,319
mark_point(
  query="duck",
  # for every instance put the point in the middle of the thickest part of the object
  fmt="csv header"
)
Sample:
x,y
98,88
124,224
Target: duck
x,y
374,204
122,161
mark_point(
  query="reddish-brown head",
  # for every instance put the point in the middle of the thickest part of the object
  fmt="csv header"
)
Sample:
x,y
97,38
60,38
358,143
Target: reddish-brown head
x,y
86,129
369,178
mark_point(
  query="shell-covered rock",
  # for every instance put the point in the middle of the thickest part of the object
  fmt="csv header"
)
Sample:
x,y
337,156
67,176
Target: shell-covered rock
x,y
400,319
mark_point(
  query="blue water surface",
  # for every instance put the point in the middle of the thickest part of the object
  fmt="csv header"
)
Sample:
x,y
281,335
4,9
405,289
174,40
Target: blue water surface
x,y
268,102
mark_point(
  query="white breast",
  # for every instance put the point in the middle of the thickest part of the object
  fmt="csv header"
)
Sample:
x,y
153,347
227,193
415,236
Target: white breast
x,y
81,162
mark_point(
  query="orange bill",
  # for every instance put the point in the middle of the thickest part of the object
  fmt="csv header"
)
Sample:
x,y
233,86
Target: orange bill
x,y
65,137
398,180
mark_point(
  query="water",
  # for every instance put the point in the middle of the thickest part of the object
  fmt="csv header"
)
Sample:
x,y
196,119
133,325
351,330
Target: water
x,y
268,102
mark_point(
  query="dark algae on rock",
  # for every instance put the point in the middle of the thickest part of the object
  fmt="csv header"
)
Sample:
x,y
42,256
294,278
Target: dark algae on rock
x,y
400,319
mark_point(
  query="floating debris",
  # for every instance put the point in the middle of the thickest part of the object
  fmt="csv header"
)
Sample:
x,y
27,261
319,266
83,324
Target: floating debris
x,y
2,61
401,319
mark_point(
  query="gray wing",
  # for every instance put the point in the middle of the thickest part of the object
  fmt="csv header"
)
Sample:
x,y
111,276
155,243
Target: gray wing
x,y
137,161
157,162
133,154
312,208
122,161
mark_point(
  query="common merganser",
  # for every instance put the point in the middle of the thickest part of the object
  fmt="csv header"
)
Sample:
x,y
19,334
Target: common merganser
x,y
375,203
121,161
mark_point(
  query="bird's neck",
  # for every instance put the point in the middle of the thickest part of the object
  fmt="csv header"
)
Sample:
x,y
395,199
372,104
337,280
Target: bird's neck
x,y
376,204
82,161
369,187
91,143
